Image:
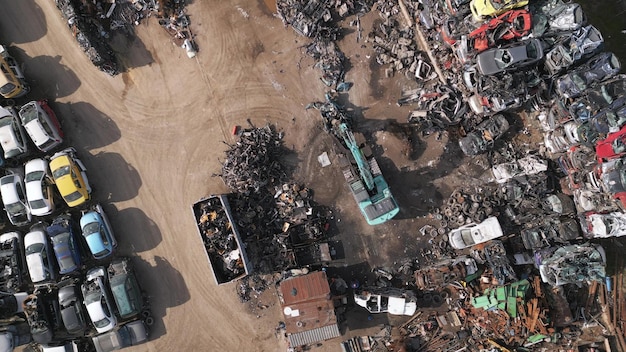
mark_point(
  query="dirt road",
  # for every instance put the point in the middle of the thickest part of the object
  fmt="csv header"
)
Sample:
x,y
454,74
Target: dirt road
x,y
152,136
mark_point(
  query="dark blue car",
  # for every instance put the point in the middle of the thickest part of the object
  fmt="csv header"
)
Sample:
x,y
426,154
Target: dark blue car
x,y
65,244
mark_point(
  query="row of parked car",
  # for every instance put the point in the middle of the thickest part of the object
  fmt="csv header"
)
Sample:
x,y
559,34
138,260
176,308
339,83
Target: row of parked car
x,y
83,298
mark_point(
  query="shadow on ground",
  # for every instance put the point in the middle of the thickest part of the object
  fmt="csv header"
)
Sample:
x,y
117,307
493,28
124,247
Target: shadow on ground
x,y
85,125
117,180
165,288
140,232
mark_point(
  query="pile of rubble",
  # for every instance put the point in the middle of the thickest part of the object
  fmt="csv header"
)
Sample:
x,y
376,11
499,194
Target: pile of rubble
x,y
92,23
254,161
279,221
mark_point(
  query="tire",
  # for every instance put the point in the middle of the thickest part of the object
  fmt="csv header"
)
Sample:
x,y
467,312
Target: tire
x,y
149,321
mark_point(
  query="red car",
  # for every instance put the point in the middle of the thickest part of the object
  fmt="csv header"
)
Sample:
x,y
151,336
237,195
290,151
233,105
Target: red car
x,y
508,26
613,146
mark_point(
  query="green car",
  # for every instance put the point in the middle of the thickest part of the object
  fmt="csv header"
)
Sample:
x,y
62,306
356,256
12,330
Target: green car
x,y
125,289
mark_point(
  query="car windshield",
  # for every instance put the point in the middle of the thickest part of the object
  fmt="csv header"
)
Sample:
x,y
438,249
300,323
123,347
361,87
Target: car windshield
x,y
102,322
73,196
28,113
60,172
15,208
7,88
92,227
37,204
466,235
6,121
34,176
66,263
531,50
34,248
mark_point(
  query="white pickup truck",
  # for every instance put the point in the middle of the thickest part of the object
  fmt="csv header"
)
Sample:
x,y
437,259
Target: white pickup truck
x,y
387,300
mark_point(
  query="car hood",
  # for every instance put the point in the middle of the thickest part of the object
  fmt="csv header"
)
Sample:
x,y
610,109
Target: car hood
x,y
35,267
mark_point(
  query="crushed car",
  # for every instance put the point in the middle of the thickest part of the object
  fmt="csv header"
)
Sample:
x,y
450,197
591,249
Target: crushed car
x,y
528,165
579,46
484,136
483,9
613,146
553,17
596,225
573,264
511,25
600,67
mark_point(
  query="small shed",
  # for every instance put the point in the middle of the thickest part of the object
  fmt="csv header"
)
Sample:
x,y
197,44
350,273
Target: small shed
x,y
308,309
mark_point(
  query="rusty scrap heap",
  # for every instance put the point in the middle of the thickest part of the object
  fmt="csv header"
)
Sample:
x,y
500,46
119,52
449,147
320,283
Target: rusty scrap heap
x,y
275,217
254,161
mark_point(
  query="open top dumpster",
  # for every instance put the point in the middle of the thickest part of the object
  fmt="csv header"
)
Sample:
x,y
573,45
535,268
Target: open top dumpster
x,y
221,238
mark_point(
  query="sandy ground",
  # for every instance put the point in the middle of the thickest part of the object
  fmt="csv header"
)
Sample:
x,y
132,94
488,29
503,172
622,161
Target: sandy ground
x,y
152,137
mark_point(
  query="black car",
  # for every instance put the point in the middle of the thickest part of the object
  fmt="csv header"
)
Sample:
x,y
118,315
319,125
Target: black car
x,y
72,311
483,137
600,67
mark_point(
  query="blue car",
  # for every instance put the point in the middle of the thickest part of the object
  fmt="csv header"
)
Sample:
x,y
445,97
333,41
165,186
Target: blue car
x,y
64,244
98,233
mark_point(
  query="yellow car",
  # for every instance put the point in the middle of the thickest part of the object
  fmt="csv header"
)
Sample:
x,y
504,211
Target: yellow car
x,y
70,177
12,84
483,9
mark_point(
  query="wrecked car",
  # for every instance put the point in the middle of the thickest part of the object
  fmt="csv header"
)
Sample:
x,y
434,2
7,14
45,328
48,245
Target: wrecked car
x,y
499,262
573,264
445,272
508,26
596,225
612,175
484,136
510,57
611,118
528,165
551,231
387,300
554,16
582,43
472,234
613,146
598,68
482,9
607,94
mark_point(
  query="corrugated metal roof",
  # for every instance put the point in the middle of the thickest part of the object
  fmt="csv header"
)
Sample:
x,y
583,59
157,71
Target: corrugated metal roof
x,y
314,335
307,305
304,288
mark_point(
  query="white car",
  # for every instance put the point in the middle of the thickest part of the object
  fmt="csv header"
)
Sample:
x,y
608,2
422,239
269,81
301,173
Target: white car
x,y
41,124
98,301
604,225
39,192
14,199
472,234
12,135
529,165
39,257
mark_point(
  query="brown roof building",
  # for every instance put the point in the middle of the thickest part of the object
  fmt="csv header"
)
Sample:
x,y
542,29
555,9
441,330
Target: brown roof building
x,y
308,309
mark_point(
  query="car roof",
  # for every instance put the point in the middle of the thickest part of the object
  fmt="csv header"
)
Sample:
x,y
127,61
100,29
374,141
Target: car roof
x,y
95,311
36,132
7,136
94,241
8,189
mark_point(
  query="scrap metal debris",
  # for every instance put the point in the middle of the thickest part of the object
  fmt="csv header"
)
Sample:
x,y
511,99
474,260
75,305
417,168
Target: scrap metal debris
x,y
254,161
92,23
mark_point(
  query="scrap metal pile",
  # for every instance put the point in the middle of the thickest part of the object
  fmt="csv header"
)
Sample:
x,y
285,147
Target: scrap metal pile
x,y
274,216
93,22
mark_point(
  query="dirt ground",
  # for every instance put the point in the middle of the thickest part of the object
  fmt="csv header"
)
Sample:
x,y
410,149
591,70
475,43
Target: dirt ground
x,y
152,137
